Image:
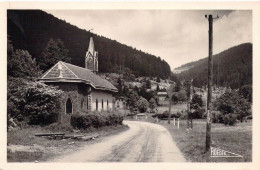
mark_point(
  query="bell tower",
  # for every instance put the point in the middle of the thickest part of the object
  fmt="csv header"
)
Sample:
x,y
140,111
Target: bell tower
x,y
91,58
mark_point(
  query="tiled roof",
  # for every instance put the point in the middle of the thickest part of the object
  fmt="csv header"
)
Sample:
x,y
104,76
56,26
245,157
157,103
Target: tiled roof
x,y
65,72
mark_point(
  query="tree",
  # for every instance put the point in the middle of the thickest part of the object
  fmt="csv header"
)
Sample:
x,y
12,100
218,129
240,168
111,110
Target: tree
x,y
42,103
157,88
119,82
232,103
182,96
142,104
21,65
175,98
246,92
125,91
197,106
137,90
32,102
152,104
158,79
132,101
55,51
177,86
148,84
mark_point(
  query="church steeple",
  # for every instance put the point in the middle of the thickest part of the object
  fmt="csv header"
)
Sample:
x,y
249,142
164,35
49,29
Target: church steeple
x,y
91,59
91,46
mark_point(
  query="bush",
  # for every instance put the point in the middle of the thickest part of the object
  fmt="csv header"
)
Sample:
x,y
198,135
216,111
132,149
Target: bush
x,y
217,117
165,114
96,120
232,102
56,127
32,102
230,119
42,103
198,114
142,104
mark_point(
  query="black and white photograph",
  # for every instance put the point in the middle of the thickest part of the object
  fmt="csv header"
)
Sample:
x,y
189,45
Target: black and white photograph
x,y
130,85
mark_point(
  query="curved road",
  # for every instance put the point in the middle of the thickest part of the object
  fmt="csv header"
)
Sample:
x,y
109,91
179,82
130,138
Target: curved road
x,y
143,142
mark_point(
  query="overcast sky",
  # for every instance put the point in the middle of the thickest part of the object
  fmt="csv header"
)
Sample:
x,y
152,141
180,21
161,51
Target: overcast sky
x,y
177,36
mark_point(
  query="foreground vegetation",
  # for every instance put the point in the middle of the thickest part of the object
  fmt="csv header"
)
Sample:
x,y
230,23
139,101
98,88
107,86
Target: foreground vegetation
x,y
24,146
236,139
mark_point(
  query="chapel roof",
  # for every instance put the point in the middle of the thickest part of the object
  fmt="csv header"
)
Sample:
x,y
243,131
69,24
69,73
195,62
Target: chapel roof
x,y
65,72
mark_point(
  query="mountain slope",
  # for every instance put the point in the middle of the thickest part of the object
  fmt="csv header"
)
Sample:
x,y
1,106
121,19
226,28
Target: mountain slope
x,y
32,29
232,67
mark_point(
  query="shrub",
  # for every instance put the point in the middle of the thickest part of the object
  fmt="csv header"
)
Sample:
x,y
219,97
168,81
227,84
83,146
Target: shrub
x,y
198,114
230,119
32,102
96,120
56,127
217,117
42,103
197,107
164,115
232,102
142,104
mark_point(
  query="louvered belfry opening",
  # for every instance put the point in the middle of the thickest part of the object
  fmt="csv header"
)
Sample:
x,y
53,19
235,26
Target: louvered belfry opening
x,y
68,106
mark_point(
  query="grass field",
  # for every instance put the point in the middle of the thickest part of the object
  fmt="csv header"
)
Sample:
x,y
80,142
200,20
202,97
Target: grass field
x,y
175,108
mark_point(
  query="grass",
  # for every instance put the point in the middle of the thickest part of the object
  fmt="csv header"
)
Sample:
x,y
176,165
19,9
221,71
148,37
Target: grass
x,y
236,139
24,146
175,108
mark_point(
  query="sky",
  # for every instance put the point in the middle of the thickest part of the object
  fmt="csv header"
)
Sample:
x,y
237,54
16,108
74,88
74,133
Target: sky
x,y
177,36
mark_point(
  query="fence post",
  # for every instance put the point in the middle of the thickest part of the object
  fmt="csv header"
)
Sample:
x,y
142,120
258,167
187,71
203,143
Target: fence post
x,y
146,116
173,121
178,123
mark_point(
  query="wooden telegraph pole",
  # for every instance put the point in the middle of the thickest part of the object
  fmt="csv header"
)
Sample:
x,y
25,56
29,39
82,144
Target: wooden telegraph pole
x,y
170,93
210,78
189,118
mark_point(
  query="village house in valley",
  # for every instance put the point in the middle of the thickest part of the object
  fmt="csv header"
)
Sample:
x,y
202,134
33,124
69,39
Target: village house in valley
x,y
162,96
84,90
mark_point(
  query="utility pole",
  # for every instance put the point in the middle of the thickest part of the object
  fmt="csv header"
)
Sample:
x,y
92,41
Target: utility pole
x,y
210,78
189,117
170,93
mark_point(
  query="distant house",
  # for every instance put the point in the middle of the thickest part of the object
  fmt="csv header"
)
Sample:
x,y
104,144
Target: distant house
x,y
120,103
162,98
83,89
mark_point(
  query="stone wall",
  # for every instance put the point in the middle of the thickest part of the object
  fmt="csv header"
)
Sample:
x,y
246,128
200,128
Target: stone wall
x,y
83,99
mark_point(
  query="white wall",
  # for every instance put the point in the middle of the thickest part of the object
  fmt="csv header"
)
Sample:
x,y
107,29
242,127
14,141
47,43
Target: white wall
x,y
99,95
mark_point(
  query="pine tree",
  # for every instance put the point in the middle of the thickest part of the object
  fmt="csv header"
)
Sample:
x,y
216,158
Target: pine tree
x,y
21,65
55,51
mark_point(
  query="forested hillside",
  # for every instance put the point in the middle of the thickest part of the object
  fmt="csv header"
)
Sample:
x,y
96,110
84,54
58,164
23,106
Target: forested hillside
x,y
31,30
232,67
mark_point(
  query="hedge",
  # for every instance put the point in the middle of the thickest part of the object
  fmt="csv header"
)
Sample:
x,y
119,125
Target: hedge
x,y
96,120
165,115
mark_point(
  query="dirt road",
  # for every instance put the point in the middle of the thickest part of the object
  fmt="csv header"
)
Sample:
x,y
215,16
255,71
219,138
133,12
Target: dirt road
x,y
143,142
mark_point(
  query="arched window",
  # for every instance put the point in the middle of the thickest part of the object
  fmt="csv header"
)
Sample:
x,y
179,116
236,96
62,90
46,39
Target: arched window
x,y
102,104
68,106
82,103
97,104
87,102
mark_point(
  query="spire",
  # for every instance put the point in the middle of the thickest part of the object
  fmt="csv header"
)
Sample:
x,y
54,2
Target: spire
x,y
91,48
91,58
